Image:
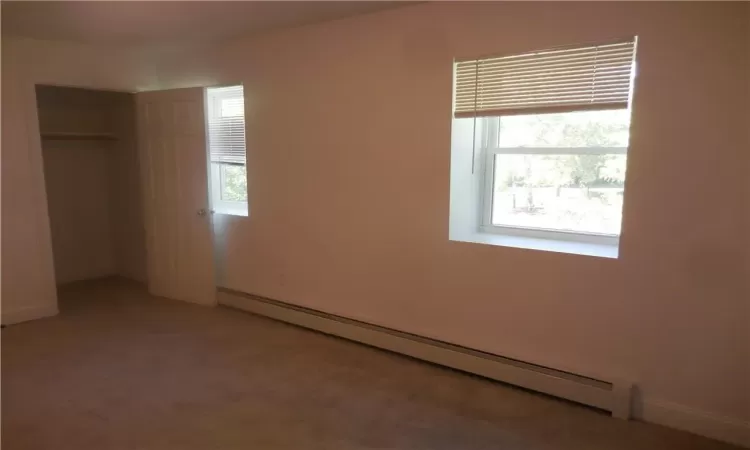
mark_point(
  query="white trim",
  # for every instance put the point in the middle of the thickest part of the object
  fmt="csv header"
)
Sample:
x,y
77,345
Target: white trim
x,y
218,205
704,423
231,208
618,399
488,183
547,245
554,235
558,150
613,395
29,313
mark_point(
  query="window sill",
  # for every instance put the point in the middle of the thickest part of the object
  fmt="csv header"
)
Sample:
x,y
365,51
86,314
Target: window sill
x,y
548,245
231,209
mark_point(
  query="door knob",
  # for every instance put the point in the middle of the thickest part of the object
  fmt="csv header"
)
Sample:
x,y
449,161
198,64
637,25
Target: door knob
x,y
201,212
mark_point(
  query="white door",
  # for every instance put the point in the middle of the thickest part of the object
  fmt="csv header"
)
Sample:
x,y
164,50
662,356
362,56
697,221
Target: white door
x,y
172,146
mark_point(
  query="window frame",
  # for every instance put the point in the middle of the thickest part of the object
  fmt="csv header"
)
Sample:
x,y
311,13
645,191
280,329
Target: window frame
x,y
490,134
218,98
219,205
213,105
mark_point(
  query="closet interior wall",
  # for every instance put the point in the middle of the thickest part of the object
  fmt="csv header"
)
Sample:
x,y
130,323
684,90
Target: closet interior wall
x,y
92,179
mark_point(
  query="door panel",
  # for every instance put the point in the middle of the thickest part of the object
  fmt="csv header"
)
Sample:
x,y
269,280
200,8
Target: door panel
x,y
172,138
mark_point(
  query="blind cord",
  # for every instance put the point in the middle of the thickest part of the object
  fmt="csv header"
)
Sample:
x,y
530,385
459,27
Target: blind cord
x,y
474,130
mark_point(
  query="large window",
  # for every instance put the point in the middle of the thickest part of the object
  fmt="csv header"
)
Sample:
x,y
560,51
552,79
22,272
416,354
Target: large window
x,y
550,134
560,172
227,154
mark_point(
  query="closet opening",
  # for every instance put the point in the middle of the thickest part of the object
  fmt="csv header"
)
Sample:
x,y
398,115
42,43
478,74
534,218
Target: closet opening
x,y
92,181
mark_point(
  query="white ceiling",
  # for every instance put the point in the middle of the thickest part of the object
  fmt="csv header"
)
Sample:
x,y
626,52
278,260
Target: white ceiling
x,y
168,22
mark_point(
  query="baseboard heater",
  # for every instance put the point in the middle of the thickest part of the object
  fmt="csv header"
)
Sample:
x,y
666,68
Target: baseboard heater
x,y
613,396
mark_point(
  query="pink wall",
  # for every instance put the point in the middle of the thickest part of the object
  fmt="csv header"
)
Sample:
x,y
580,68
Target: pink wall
x,y
77,177
349,138
28,280
349,149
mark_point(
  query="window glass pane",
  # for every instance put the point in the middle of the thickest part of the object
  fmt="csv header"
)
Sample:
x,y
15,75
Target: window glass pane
x,y
232,107
233,183
580,193
575,129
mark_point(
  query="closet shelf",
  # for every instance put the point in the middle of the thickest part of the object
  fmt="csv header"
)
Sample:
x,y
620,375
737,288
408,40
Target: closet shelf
x,y
67,136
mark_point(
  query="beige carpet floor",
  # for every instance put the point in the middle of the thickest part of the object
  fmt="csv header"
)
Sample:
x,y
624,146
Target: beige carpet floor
x,y
118,369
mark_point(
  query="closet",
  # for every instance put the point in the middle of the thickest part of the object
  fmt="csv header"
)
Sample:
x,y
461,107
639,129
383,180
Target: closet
x,y
93,186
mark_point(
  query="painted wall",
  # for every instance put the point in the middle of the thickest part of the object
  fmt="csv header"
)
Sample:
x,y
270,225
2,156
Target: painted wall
x,y
126,206
77,177
79,65
28,280
349,152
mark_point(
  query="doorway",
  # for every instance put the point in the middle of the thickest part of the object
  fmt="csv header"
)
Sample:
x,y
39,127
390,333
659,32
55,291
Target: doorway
x,y
91,178
127,188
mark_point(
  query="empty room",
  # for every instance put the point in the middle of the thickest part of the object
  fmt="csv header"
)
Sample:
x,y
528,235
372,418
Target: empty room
x,y
359,225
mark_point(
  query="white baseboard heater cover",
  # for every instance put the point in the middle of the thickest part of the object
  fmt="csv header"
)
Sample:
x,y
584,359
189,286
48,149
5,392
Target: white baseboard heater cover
x,y
613,396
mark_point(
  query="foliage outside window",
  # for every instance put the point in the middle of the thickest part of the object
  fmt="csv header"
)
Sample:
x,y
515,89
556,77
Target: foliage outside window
x,y
550,131
233,183
563,171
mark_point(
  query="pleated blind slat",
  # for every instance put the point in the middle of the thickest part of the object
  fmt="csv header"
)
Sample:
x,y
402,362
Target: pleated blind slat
x,y
568,79
226,125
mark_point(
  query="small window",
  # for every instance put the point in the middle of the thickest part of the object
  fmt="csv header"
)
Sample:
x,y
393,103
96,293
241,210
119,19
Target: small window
x,y
550,135
227,153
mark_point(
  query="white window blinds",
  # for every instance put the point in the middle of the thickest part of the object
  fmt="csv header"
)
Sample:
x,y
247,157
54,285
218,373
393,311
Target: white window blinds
x,y
226,124
557,80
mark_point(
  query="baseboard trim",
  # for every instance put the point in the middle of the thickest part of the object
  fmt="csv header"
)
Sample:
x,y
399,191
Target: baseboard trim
x,y
607,395
695,421
26,314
